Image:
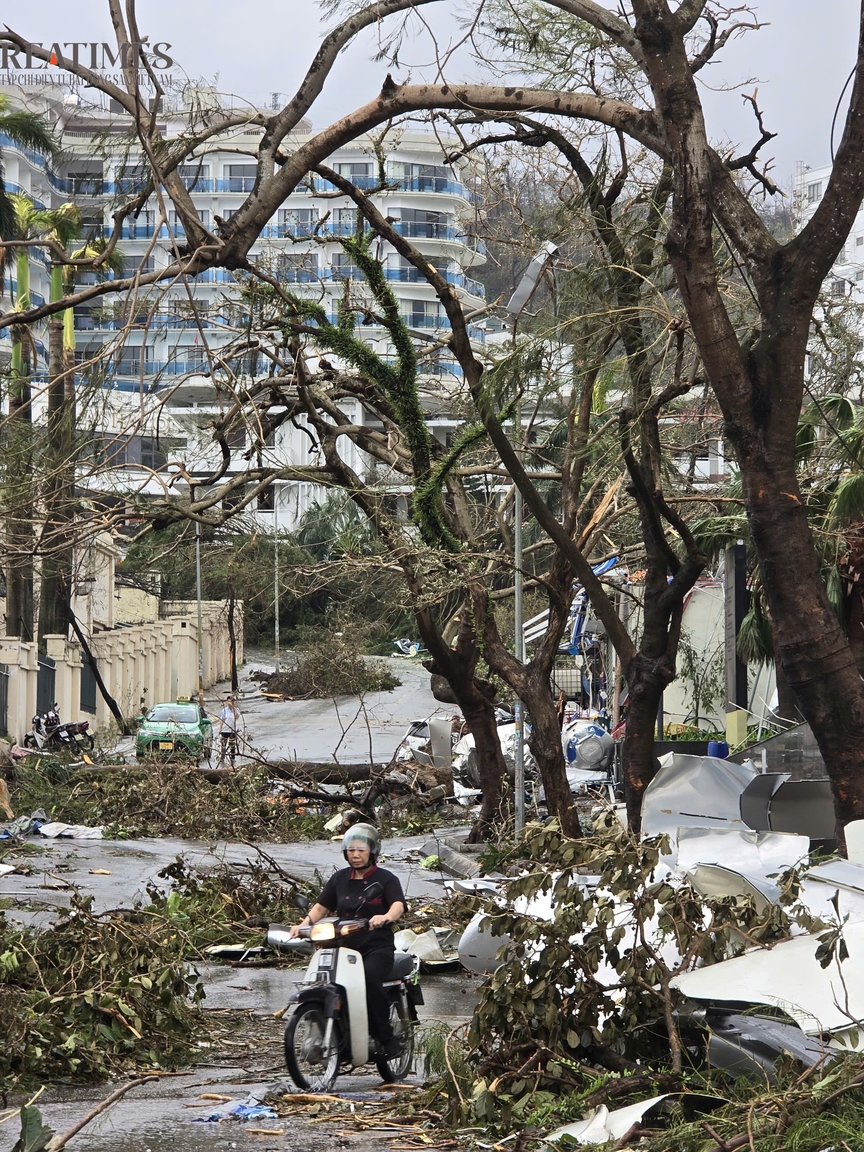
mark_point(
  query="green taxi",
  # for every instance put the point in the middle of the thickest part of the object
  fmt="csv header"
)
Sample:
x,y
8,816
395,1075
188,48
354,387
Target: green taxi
x,y
180,729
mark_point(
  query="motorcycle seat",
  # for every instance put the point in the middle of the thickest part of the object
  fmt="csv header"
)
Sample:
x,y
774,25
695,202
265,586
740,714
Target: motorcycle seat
x,y
403,965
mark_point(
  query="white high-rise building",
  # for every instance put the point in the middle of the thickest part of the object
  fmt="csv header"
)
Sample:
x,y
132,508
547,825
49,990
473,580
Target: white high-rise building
x,y
156,401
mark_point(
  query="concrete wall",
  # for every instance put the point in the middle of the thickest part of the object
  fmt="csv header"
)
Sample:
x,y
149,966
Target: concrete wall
x,y
141,664
702,630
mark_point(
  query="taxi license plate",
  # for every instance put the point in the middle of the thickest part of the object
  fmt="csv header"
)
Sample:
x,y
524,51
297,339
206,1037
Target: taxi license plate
x,y
165,745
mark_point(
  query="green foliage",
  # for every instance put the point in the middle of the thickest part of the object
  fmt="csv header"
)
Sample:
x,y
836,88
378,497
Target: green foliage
x,y
35,1136
227,904
94,995
163,798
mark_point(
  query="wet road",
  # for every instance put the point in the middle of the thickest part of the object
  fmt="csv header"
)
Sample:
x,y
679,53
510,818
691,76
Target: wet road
x,y
246,1058
133,864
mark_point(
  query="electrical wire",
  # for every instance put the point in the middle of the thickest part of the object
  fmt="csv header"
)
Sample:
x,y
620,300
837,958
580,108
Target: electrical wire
x,y
837,109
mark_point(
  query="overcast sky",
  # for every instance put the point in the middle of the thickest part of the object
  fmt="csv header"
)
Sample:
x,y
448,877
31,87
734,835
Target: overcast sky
x,y
800,61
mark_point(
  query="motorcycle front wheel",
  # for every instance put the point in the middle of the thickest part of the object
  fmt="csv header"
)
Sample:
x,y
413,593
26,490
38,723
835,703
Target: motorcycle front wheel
x,y
309,1066
400,1065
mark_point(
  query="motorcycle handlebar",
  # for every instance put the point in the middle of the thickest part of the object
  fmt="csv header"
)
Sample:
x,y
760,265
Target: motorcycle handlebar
x,y
322,931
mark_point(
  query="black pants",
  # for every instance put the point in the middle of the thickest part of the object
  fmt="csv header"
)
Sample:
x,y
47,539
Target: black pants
x,y
378,963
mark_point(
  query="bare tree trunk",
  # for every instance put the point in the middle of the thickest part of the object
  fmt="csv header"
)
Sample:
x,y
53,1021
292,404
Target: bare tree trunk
x,y
57,551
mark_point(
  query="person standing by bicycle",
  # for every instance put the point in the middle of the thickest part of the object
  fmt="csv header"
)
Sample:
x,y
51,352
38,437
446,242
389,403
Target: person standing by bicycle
x,y
229,721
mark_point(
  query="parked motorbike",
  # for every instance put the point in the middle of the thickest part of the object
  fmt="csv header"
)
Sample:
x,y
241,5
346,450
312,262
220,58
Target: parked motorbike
x,y
328,1027
49,734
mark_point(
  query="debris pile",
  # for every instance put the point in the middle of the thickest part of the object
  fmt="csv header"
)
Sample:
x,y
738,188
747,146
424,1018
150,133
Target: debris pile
x,y
325,671
93,995
629,980
164,799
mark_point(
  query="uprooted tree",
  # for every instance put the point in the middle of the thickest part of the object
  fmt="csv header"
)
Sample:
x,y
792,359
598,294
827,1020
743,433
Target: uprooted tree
x,y
635,73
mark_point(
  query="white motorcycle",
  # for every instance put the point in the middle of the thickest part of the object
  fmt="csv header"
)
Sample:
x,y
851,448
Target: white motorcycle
x,y
328,1029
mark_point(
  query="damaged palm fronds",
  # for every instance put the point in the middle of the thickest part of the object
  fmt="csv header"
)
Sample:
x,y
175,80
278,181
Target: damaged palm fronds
x,y
94,995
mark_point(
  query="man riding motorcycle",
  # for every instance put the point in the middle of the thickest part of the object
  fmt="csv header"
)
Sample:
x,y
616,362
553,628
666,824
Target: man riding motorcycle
x,y
364,891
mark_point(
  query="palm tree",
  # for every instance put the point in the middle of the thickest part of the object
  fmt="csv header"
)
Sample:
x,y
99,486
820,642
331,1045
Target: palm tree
x,y
29,131
58,550
32,224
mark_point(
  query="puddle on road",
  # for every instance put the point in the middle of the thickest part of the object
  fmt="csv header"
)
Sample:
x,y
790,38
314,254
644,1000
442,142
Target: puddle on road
x,y
449,996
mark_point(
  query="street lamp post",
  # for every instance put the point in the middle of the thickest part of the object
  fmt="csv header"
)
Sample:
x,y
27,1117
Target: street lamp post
x,y
276,622
200,613
523,293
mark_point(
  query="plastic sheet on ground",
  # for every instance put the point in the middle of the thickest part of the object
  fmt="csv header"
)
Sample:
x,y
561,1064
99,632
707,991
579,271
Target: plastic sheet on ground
x,y
25,825
604,1125
56,828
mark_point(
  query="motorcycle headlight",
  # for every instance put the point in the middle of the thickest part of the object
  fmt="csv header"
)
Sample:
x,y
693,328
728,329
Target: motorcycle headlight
x,y
322,932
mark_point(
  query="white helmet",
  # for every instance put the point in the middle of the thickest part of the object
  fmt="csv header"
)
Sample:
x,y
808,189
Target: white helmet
x,y
363,834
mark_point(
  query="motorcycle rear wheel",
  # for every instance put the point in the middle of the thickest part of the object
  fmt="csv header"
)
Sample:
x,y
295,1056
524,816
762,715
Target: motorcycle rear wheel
x,y
309,1068
399,1066
86,741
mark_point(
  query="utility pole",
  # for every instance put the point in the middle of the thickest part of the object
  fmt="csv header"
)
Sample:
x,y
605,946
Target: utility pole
x,y
519,651
276,622
200,614
524,291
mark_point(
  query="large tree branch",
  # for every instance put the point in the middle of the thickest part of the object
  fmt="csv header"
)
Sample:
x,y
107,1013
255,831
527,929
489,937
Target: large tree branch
x,y
473,369
320,68
618,30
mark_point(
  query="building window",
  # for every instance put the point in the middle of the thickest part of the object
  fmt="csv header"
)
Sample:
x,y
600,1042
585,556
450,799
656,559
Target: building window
x,y
297,221
838,287
859,275
353,171
344,266
267,499
814,192
421,177
299,269
133,264
196,177
241,177
129,361
422,223
236,437
155,450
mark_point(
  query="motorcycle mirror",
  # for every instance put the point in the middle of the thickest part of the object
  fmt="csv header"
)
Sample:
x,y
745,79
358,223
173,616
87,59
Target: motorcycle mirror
x,y
373,891
301,902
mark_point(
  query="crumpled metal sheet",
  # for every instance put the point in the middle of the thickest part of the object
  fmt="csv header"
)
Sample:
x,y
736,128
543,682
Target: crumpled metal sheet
x,y
788,976
694,792
756,853
717,880
752,1045
706,792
